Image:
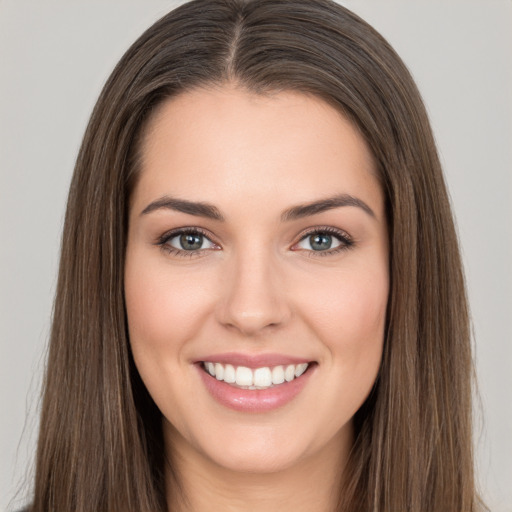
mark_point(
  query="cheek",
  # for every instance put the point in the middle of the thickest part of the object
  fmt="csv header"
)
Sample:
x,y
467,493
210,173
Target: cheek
x,y
349,315
164,308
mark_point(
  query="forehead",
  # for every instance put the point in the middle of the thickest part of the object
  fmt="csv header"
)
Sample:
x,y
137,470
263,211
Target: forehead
x,y
220,144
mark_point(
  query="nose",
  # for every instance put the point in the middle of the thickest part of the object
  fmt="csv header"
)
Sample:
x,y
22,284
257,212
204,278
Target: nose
x,y
253,295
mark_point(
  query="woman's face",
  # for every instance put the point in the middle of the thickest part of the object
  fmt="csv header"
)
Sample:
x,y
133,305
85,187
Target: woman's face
x,y
257,245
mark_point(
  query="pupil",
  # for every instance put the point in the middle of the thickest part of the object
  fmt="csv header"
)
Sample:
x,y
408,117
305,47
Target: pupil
x,y
191,242
321,242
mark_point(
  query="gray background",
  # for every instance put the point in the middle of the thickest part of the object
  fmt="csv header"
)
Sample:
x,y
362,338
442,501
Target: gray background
x,y
54,58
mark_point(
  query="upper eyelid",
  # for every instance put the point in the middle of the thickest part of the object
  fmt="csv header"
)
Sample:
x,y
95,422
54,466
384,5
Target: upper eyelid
x,y
340,233
188,229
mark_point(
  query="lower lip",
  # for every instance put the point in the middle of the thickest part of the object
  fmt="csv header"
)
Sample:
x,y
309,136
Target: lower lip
x,y
254,400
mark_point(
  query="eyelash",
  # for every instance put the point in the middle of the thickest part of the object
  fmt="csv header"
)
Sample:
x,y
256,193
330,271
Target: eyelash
x,y
346,242
169,249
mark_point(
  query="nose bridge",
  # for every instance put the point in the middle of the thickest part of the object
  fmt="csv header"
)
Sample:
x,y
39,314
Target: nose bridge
x,y
253,296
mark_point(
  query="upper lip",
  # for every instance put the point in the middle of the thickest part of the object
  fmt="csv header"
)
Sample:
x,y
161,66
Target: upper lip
x,y
253,360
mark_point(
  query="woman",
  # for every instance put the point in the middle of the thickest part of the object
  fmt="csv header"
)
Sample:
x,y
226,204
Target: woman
x,y
258,203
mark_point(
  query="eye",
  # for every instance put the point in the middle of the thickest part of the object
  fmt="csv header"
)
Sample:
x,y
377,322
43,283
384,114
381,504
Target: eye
x,y
324,240
189,241
186,242
319,242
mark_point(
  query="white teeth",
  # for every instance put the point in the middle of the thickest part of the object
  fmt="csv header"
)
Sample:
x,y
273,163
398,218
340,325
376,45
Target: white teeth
x,y
300,369
219,371
277,375
259,378
244,376
289,373
262,377
229,374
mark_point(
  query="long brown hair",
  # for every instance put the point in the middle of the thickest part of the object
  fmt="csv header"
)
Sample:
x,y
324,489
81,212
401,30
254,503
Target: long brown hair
x,y
100,444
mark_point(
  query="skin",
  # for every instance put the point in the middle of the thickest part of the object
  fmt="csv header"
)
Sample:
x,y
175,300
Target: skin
x,y
257,287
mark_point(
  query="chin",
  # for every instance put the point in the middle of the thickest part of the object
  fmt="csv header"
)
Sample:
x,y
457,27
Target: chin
x,y
255,460
261,449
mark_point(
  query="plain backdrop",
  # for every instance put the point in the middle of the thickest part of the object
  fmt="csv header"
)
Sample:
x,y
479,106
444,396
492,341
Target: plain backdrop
x,y
54,59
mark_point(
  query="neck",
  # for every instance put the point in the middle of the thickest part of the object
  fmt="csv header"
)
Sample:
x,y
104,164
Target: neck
x,y
309,485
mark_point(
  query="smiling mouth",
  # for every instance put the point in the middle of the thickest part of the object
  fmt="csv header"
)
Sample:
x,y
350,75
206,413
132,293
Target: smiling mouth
x,y
258,378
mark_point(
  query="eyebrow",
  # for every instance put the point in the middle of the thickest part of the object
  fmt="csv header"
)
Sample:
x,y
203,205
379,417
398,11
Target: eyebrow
x,y
305,210
201,209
